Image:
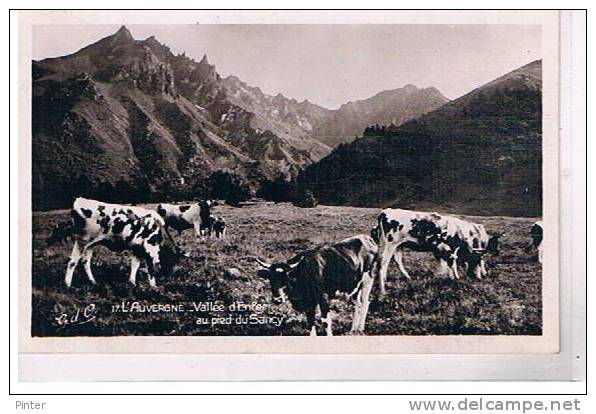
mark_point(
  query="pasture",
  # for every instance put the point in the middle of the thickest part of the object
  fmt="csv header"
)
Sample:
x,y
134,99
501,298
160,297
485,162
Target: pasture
x,y
223,272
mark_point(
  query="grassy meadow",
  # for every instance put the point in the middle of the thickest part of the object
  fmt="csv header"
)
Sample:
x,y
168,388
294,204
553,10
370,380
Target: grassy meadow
x,y
219,273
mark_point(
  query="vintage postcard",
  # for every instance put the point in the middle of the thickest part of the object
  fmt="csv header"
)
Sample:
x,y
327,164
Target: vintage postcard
x,y
289,182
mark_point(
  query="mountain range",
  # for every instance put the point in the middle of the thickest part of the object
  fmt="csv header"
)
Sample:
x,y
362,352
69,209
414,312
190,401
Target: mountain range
x,y
332,127
129,116
478,154
128,120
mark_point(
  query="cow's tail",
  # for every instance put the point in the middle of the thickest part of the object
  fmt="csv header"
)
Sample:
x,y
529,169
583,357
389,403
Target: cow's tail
x,y
61,232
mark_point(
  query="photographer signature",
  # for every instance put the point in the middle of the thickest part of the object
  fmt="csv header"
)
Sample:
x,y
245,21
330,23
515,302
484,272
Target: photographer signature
x,y
79,316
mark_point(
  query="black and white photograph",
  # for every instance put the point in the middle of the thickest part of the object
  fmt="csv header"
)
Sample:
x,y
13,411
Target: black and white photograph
x,y
275,180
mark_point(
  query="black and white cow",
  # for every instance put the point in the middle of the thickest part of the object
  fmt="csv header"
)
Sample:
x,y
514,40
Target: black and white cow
x,y
219,227
183,217
136,230
312,278
451,240
537,233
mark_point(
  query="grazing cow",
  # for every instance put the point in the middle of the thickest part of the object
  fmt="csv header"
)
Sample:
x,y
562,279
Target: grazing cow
x,y
312,278
449,239
136,230
184,217
206,217
219,227
537,233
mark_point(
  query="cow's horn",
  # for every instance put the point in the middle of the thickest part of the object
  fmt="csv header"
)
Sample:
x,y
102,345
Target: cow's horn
x,y
262,263
292,266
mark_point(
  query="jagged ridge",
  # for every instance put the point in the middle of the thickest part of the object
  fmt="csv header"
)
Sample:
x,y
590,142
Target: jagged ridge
x,y
131,113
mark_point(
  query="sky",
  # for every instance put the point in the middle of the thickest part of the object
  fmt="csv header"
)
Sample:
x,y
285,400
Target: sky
x,y
331,64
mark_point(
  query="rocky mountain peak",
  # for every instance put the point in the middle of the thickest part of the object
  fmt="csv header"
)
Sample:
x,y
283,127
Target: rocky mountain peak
x,y
122,36
160,50
152,41
432,89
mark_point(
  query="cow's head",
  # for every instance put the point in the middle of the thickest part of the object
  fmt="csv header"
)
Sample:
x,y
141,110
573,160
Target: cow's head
x,y
206,205
445,252
164,252
161,211
474,260
60,233
168,259
278,275
453,256
492,246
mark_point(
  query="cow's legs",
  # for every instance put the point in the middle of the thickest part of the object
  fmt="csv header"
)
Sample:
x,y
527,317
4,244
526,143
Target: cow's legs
x,y
203,232
87,255
443,269
483,268
310,319
197,227
398,257
326,315
453,270
135,263
357,318
151,279
75,256
478,271
386,255
329,324
540,249
367,284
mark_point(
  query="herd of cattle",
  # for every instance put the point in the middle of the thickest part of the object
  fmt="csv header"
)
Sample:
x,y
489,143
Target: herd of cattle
x,y
310,279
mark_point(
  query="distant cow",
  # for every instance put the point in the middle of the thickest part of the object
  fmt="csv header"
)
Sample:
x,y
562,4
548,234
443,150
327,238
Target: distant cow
x,y
119,228
183,217
219,227
449,239
312,278
206,207
537,233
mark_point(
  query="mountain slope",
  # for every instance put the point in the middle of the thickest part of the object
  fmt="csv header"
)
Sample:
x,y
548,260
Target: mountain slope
x,y
130,114
478,154
394,106
332,127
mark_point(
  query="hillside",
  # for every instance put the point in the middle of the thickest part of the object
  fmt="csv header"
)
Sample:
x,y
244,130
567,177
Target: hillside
x,y
391,107
478,154
125,116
